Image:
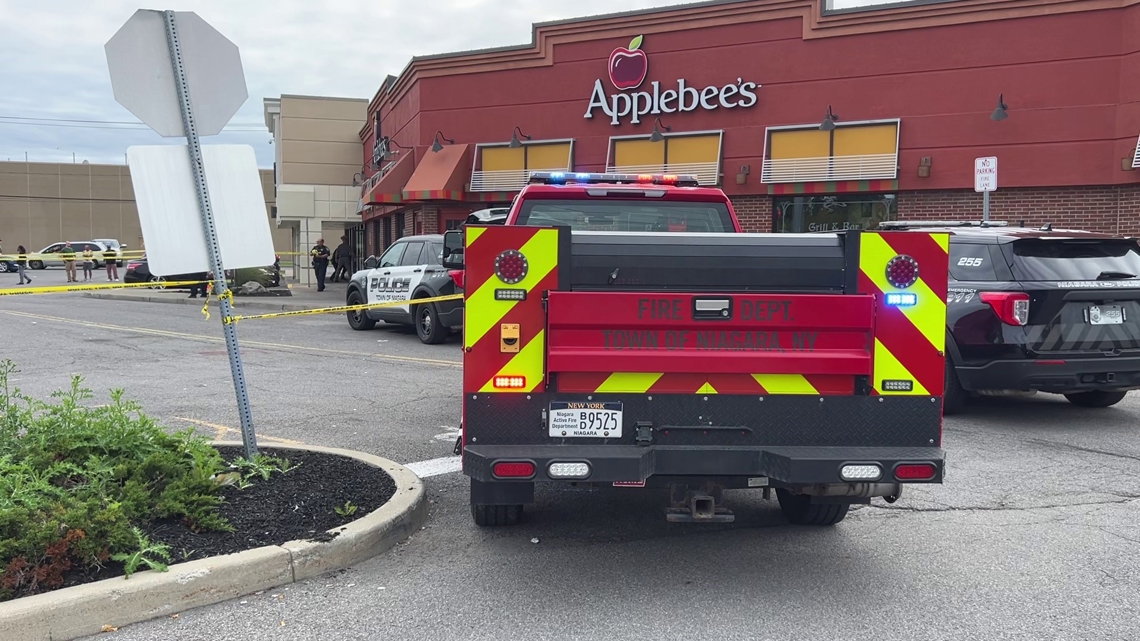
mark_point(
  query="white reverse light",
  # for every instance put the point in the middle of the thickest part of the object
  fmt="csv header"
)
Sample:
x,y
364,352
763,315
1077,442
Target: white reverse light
x,y
568,470
860,472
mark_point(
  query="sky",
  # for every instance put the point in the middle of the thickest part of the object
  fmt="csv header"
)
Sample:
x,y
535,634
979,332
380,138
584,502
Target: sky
x,y
54,70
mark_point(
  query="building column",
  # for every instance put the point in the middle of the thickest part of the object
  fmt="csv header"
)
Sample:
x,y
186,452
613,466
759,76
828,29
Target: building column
x,y
309,232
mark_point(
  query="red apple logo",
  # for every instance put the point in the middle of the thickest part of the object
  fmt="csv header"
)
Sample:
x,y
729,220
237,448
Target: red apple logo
x,y
628,66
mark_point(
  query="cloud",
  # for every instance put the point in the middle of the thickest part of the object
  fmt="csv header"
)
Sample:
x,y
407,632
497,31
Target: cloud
x,y
55,66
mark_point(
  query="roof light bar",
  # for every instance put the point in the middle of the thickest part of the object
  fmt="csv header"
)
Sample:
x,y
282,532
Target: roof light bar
x,y
584,178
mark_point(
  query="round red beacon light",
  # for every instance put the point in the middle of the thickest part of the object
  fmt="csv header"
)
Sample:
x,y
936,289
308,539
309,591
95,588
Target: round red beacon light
x,y
511,266
902,271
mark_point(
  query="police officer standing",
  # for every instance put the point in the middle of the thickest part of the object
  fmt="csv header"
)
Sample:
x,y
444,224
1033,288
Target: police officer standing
x,y
320,255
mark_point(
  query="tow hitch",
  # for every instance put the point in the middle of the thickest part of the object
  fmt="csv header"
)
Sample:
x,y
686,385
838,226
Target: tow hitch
x,y
697,505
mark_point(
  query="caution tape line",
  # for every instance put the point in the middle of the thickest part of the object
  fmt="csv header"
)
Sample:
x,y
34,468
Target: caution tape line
x,y
77,256
345,308
59,289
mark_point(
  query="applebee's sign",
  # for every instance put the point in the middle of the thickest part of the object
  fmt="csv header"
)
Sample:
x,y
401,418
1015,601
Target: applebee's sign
x,y
627,70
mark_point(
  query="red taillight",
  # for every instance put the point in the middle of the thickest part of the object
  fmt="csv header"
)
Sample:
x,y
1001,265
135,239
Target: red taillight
x,y
902,271
1011,307
513,469
133,265
511,266
510,382
457,276
915,472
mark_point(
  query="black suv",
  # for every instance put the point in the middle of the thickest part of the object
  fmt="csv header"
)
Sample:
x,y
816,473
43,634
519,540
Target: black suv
x,y
1039,310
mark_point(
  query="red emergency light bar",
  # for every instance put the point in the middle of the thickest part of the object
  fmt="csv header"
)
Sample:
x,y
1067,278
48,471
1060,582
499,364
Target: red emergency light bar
x,y
585,178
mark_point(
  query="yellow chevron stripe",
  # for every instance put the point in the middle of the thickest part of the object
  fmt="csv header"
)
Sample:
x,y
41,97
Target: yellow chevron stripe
x,y
629,382
929,313
528,362
707,388
483,311
785,384
889,367
473,233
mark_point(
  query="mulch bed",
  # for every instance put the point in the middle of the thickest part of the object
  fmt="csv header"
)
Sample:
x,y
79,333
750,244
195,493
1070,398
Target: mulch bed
x,y
300,504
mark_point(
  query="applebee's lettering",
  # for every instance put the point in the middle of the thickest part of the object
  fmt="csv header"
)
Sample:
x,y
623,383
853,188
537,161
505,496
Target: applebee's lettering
x,y
683,98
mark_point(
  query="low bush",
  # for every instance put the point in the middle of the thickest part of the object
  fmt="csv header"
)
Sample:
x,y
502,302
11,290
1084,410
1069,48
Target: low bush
x,y
77,481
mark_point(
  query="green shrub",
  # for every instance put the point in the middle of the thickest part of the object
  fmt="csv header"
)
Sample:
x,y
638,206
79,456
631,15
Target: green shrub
x,y
76,480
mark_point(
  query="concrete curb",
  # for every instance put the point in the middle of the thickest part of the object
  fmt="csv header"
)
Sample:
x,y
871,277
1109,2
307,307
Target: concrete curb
x,y
84,609
186,300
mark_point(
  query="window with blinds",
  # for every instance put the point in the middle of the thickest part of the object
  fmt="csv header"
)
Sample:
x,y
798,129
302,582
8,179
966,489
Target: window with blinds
x,y
695,153
499,167
851,151
1136,156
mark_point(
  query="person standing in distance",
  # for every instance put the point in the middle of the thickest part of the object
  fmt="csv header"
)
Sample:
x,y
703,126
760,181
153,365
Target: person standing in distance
x,y
111,256
68,256
320,255
342,259
22,263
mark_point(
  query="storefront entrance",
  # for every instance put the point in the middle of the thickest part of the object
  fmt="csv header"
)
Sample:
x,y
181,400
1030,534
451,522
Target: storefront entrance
x,y
831,213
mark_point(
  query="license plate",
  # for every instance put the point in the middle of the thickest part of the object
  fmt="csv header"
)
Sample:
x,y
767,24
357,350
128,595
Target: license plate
x,y
1105,315
581,419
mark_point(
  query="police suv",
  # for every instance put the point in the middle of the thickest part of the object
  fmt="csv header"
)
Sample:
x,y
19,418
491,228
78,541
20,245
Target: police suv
x,y
1039,310
410,269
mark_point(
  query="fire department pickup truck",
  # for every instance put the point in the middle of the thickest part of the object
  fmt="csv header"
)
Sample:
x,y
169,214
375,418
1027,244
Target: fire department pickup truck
x,y
621,330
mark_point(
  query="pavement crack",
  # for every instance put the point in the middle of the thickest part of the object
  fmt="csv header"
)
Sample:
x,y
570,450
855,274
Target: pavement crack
x,y
1120,499
1089,450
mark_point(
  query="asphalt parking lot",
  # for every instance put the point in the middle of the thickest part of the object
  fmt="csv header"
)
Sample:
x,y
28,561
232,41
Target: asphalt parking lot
x,y
1033,535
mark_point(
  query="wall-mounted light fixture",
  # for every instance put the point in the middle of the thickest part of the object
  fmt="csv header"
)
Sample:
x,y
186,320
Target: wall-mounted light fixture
x,y
828,123
435,146
742,175
1000,114
657,136
515,142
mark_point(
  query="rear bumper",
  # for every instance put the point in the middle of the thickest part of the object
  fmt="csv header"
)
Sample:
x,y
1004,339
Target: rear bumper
x,y
1074,375
781,465
451,313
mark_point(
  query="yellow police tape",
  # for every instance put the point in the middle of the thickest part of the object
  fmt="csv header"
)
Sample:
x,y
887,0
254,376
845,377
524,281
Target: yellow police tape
x,y
56,289
345,308
77,256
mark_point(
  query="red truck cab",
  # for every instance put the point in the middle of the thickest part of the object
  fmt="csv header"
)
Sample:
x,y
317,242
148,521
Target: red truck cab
x,y
620,330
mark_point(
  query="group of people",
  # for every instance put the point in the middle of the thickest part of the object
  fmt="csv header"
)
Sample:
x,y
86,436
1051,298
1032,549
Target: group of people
x,y
341,260
70,257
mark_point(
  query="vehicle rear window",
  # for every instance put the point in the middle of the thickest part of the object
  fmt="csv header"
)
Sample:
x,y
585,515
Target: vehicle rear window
x,y
627,215
1075,259
970,262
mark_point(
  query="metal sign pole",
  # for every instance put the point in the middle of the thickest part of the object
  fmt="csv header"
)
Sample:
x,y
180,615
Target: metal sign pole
x,y
986,206
248,437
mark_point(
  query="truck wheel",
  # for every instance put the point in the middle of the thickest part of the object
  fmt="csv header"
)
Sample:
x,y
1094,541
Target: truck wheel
x,y
496,515
1098,398
428,327
953,396
358,319
799,509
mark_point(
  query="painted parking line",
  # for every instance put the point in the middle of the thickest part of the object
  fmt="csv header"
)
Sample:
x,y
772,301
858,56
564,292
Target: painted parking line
x,y
221,431
436,466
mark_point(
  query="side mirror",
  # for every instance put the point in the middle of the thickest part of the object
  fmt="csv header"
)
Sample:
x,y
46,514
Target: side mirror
x,y
453,249
371,262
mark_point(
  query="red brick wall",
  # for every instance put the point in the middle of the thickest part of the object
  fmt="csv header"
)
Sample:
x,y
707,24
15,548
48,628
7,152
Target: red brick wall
x,y
1112,209
754,212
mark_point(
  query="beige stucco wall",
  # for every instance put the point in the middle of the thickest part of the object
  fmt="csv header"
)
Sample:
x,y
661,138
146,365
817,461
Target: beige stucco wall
x,y
319,141
43,203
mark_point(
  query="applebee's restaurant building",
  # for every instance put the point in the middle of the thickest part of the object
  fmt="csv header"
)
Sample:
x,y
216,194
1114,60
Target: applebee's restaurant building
x,y
810,118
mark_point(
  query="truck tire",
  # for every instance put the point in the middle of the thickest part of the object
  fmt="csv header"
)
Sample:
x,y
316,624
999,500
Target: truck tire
x,y
496,515
953,395
358,319
799,509
1098,398
428,327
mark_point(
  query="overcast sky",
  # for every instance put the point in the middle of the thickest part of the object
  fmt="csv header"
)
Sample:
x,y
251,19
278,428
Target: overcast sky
x,y
54,65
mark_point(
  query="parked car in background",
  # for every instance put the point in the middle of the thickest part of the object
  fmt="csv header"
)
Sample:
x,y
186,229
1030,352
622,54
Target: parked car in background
x,y
138,271
78,245
492,216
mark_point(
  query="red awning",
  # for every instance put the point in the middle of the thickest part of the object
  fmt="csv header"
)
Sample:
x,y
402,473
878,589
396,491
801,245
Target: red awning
x,y
441,175
390,188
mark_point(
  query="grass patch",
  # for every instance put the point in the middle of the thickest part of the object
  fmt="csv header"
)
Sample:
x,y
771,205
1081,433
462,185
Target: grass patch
x,y
80,483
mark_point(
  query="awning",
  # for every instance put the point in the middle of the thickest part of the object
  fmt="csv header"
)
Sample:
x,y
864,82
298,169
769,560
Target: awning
x,y
441,175
388,187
